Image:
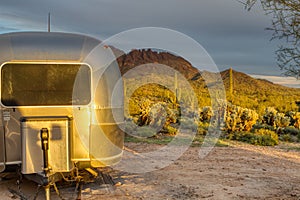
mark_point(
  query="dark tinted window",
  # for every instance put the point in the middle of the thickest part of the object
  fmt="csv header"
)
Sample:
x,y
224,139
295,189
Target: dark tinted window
x,y
27,84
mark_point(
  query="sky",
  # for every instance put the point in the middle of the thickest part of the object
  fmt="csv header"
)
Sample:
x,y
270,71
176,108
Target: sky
x,y
233,36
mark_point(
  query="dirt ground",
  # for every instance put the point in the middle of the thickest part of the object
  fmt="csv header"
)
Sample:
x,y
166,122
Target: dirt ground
x,y
239,171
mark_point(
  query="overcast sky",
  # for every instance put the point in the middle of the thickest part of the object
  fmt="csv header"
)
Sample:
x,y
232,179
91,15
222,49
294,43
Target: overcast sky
x,y
232,36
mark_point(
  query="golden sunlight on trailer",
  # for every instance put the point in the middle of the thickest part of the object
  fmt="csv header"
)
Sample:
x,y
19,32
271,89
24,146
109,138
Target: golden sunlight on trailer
x,y
61,104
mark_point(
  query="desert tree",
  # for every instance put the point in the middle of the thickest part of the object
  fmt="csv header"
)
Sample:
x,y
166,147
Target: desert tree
x,y
285,26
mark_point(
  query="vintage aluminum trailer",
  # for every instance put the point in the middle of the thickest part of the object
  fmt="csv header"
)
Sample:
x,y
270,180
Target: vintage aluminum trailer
x,y
61,104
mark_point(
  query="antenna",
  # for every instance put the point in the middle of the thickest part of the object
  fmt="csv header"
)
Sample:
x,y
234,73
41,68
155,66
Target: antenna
x,y
49,17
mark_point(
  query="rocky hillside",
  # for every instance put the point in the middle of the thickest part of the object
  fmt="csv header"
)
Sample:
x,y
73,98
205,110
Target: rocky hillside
x,y
140,57
247,91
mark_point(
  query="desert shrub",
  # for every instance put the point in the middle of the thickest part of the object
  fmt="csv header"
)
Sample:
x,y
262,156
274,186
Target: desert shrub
x,y
291,130
186,123
262,126
203,127
277,119
294,119
157,115
270,138
201,131
242,136
285,138
269,116
145,131
170,130
289,134
248,118
205,114
239,119
129,126
297,120
281,120
261,137
173,115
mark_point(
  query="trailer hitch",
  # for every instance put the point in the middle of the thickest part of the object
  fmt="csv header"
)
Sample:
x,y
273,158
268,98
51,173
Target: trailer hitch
x,y
45,148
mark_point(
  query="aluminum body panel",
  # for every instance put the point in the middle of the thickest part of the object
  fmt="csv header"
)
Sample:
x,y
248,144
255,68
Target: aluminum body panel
x,y
2,145
94,132
59,146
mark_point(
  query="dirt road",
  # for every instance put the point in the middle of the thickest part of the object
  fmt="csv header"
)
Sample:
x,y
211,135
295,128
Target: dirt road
x,y
237,172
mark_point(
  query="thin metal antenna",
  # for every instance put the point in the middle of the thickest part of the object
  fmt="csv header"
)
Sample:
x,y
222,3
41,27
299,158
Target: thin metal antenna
x,y
49,17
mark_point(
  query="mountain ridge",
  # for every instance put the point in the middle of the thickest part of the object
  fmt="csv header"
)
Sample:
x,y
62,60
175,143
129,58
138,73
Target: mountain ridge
x,y
138,57
247,91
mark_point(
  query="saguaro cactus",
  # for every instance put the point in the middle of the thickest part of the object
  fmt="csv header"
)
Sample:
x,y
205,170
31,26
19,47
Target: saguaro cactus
x,y
230,85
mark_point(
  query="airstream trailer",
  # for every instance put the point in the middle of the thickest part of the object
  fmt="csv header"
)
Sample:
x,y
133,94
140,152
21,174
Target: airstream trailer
x,y
57,107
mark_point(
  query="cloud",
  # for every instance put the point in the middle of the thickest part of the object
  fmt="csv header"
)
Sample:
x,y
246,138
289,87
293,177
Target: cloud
x,y
286,81
192,16
232,36
16,22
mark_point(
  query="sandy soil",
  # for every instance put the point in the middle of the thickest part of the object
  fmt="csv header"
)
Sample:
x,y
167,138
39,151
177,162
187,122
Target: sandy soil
x,y
237,172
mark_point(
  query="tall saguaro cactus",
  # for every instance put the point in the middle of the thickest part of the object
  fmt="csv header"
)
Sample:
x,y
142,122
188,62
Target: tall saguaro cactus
x,y
177,90
176,84
230,85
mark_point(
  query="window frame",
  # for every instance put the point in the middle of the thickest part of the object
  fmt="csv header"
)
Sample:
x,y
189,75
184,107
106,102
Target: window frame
x,y
48,63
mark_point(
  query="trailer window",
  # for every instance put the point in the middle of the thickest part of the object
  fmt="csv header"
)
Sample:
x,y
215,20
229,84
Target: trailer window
x,y
39,84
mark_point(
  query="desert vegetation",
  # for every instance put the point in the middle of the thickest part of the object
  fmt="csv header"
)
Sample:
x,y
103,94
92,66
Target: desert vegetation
x,y
254,111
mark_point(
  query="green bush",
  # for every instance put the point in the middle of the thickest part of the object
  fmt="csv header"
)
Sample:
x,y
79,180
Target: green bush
x,y
285,138
288,138
187,123
203,128
291,130
204,125
170,130
289,134
268,137
262,126
129,126
205,114
145,131
261,137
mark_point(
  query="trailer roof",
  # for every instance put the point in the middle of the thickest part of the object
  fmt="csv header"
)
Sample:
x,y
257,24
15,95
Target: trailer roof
x,y
45,46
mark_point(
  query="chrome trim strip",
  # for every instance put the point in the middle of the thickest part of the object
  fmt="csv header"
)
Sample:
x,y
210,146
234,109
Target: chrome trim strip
x,y
12,163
